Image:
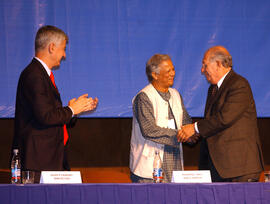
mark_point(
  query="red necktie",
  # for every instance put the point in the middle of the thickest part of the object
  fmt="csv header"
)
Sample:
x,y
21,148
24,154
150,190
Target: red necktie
x,y
64,127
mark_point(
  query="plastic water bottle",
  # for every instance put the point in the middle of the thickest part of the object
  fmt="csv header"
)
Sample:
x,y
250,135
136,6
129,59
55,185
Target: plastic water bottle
x,y
157,170
15,168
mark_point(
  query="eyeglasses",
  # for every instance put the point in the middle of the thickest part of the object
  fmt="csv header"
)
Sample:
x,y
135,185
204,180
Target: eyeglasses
x,y
204,66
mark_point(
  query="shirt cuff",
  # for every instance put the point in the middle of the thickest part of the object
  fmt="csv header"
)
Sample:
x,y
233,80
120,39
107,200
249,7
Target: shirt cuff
x,y
71,111
196,128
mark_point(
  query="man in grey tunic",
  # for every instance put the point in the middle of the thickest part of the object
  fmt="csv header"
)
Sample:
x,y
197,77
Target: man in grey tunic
x,y
158,113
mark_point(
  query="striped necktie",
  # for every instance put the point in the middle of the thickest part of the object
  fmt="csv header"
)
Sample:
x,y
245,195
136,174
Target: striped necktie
x,y
214,91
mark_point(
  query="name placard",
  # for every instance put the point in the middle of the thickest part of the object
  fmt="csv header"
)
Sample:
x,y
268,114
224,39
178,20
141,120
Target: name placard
x,y
60,177
202,176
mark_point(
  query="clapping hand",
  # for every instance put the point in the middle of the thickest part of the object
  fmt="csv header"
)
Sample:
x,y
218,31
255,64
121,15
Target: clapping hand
x,y
83,104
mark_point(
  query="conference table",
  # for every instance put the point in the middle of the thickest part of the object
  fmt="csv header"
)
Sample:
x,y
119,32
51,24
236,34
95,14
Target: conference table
x,y
248,193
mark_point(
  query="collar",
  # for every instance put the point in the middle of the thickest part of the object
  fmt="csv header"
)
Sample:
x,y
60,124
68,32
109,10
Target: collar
x,y
222,79
45,66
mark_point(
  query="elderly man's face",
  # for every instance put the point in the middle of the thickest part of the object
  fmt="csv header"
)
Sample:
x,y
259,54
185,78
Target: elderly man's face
x,y
210,69
165,78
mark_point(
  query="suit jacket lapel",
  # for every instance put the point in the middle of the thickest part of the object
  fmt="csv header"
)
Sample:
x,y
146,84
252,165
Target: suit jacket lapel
x,y
210,101
46,76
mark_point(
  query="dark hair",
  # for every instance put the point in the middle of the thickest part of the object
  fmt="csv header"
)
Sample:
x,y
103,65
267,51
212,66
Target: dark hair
x,y
153,63
47,34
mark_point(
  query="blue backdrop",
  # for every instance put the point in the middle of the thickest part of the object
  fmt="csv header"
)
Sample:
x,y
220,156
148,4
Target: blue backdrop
x,y
111,40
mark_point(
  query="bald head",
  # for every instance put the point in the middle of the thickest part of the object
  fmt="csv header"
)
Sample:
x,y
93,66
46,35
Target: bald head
x,y
221,54
217,62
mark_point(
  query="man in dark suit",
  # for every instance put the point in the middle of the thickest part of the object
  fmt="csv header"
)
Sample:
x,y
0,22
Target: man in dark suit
x,y
40,119
230,146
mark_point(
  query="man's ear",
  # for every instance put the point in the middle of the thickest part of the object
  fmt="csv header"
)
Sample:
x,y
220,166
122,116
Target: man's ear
x,y
51,47
154,75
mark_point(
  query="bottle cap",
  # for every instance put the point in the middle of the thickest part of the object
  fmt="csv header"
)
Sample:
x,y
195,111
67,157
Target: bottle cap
x,y
15,151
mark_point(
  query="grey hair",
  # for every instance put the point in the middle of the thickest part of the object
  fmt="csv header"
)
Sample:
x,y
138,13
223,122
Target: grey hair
x,y
153,63
223,56
48,34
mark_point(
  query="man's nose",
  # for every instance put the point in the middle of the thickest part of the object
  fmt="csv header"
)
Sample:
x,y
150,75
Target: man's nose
x,y
202,70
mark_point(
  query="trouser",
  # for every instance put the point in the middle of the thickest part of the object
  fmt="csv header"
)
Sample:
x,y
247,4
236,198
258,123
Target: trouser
x,y
65,168
137,179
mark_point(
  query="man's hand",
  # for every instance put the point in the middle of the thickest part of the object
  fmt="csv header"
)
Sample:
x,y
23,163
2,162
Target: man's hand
x,y
193,139
186,132
83,104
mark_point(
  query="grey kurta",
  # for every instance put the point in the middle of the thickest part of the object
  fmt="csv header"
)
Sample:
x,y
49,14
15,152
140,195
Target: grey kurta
x,y
144,113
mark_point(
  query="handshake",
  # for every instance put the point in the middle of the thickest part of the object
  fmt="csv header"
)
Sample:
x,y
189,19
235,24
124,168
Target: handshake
x,y
187,134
